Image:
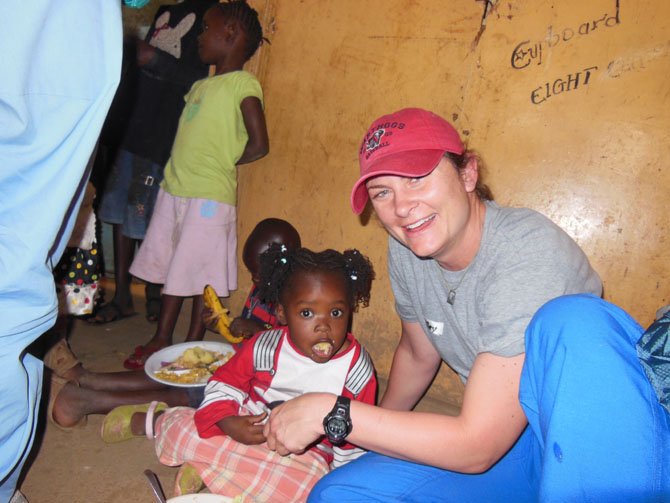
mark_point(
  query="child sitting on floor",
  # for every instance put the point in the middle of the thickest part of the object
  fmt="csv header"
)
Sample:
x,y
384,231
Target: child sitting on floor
x,y
76,392
222,442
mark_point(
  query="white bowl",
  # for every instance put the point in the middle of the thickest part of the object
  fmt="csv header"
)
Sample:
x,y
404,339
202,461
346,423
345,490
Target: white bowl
x,y
200,498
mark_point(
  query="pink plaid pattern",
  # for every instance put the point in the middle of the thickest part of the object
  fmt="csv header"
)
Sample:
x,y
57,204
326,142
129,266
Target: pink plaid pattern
x,y
229,468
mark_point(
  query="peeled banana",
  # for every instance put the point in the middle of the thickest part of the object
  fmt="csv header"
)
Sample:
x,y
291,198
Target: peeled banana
x,y
223,323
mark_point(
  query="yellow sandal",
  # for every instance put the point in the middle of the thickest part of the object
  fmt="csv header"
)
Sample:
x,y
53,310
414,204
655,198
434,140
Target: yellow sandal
x,y
188,480
116,425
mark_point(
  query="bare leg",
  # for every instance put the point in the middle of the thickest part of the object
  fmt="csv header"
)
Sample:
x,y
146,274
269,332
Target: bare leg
x,y
196,329
138,422
152,294
121,304
129,380
170,309
124,251
74,402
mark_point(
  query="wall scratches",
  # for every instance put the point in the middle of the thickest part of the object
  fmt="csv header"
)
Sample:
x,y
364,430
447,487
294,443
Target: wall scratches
x,y
488,7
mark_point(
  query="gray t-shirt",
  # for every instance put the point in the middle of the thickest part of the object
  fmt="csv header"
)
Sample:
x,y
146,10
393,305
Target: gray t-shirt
x,y
524,260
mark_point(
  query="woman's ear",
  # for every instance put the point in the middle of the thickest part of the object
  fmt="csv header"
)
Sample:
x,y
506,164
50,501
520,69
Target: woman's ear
x,y
470,174
281,315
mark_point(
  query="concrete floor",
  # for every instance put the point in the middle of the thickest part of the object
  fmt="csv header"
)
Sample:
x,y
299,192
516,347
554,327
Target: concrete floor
x,y
77,466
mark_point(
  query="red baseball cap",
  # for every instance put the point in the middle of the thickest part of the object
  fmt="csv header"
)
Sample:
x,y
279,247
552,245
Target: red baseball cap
x,y
409,142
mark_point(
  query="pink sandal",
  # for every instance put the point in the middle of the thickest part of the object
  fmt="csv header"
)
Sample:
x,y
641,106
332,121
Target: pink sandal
x,y
139,357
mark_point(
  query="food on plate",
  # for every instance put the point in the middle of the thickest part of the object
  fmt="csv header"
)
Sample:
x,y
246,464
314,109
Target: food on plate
x,y
195,365
196,357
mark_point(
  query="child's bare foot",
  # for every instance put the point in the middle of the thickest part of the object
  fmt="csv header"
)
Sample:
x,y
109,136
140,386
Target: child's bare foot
x,y
137,423
75,373
67,407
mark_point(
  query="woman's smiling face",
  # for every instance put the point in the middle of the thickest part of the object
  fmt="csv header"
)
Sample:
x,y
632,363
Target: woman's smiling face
x,y
429,214
316,309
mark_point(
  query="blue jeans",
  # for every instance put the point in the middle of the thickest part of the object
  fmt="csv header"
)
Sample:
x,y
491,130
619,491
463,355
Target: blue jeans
x,y
597,431
130,194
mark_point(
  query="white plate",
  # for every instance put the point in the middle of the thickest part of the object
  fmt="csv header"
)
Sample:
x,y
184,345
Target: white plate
x,y
171,353
200,498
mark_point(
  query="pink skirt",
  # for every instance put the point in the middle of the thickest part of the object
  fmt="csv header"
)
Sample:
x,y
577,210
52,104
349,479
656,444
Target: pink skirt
x,y
189,243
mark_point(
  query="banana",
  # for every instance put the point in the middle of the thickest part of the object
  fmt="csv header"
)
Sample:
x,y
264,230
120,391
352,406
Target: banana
x,y
223,323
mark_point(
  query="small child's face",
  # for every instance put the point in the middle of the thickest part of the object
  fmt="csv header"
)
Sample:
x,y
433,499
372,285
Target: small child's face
x,y
317,313
251,256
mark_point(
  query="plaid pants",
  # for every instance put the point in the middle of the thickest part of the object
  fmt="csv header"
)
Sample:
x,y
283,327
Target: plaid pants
x,y
229,468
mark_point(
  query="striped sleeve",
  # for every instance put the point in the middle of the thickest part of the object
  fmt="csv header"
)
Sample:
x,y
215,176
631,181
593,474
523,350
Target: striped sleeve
x,y
360,385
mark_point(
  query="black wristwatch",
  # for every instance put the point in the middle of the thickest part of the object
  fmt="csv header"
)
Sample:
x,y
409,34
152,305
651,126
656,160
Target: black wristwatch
x,y
337,424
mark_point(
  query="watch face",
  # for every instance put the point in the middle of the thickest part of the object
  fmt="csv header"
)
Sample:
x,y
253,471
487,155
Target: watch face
x,y
337,424
337,427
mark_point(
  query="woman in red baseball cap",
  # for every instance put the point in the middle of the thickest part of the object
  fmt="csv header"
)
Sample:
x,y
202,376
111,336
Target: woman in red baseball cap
x,y
556,405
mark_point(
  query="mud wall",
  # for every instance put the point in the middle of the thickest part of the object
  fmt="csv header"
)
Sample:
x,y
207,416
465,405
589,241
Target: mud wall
x,y
567,102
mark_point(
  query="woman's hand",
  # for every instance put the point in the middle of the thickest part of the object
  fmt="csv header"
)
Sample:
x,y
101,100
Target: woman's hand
x,y
247,430
297,423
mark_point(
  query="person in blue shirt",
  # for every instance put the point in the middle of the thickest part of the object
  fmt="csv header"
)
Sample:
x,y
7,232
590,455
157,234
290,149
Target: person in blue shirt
x,y
61,65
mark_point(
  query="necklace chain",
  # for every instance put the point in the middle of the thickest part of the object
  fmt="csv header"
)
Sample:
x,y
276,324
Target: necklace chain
x,y
451,296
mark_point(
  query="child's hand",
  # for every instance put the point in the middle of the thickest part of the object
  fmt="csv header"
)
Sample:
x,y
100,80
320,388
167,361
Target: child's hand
x,y
247,430
210,319
241,327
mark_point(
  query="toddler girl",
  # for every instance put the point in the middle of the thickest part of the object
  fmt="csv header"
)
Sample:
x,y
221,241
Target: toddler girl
x,y
222,442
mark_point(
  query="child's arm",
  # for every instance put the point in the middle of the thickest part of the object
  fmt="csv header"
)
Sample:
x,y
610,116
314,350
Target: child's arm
x,y
225,392
247,430
258,144
242,327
